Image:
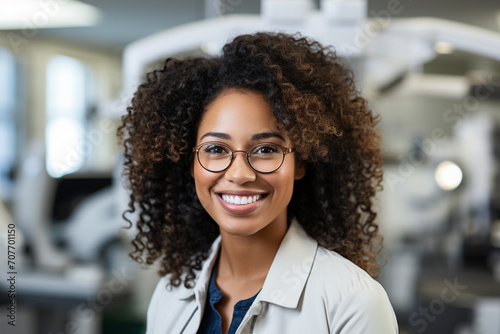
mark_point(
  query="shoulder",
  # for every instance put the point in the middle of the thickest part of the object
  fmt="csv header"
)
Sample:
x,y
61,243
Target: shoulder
x,y
356,302
347,275
163,294
168,307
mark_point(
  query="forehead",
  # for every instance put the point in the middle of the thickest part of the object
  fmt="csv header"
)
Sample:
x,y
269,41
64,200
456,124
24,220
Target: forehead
x,y
240,114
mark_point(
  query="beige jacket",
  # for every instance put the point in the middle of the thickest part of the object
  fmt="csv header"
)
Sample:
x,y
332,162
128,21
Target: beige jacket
x,y
308,290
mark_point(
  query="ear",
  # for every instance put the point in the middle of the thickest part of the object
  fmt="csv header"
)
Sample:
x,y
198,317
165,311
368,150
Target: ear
x,y
300,169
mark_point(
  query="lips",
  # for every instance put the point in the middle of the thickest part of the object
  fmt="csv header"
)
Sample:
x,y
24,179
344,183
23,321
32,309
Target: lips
x,y
240,203
241,200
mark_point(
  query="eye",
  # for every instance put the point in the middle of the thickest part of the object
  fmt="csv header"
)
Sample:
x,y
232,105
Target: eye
x,y
215,149
266,150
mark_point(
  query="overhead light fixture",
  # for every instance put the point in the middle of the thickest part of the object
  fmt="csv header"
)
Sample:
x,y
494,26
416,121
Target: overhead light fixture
x,y
443,48
31,15
448,175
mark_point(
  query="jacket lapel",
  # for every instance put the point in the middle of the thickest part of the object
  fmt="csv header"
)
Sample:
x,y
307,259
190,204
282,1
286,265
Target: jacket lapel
x,y
290,269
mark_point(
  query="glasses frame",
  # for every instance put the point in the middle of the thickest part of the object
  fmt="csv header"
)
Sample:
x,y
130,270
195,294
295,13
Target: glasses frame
x,y
283,149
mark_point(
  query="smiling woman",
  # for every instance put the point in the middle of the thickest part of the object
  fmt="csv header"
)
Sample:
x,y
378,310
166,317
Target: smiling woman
x,y
244,119
254,174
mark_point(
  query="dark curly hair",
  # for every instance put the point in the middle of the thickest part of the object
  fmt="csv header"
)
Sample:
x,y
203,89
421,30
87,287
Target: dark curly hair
x,y
312,95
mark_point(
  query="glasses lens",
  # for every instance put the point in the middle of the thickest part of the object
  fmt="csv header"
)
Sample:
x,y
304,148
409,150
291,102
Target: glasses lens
x,y
214,156
266,157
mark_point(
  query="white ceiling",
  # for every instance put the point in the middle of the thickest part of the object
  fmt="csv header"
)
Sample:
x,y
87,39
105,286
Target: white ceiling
x,y
127,20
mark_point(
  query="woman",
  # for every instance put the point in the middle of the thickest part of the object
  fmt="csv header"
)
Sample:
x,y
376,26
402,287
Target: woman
x,y
253,174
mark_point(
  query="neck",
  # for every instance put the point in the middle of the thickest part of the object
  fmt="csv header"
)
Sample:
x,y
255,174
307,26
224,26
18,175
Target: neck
x,y
249,257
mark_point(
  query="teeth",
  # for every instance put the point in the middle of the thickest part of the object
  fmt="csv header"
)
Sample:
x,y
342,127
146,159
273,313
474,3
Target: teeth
x,y
241,199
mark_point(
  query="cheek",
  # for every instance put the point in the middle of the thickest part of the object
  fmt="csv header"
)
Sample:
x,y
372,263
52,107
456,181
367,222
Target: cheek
x,y
283,184
203,181
199,177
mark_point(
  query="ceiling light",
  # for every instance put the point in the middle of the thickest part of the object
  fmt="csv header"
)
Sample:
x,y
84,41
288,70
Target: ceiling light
x,y
448,175
443,48
30,15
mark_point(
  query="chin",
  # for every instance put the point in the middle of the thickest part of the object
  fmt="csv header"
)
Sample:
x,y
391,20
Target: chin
x,y
239,227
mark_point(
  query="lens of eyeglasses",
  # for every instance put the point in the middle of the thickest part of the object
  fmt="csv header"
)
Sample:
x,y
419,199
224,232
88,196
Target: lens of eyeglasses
x,y
214,157
264,158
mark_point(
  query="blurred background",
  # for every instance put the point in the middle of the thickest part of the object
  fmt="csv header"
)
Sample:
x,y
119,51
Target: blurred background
x,y
431,69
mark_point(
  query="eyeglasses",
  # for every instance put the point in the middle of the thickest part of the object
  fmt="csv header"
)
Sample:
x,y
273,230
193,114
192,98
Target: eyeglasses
x,y
263,158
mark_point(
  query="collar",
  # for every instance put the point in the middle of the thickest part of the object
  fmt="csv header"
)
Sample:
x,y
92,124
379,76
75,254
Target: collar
x,y
202,277
287,276
290,269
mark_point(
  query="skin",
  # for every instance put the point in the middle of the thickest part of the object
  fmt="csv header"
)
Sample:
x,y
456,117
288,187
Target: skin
x,y
250,240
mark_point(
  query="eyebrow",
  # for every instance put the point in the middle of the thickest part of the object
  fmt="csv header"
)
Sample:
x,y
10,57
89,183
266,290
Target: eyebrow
x,y
257,136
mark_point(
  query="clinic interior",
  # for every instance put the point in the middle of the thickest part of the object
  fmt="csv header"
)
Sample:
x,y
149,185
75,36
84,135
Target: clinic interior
x,y
431,69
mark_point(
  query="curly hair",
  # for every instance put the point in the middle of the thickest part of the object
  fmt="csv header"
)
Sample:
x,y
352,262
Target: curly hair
x,y
312,95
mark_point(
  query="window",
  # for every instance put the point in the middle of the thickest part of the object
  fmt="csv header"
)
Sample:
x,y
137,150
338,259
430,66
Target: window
x,y
67,81
8,94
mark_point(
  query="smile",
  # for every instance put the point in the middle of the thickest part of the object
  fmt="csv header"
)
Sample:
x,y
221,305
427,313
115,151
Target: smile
x,y
241,204
241,200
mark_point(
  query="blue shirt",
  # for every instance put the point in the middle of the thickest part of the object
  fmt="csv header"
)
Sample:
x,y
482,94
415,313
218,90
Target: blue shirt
x,y
212,320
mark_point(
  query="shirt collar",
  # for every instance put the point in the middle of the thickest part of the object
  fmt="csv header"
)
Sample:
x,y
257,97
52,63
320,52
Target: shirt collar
x,y
287,276
290,269
202,277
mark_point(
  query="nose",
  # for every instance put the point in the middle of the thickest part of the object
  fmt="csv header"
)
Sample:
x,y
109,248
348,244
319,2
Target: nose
x,y
240,171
